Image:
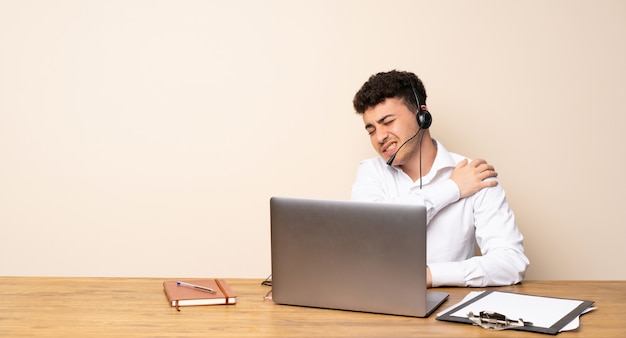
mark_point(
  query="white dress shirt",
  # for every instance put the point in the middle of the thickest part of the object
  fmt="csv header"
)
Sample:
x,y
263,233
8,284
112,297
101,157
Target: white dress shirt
x,y
454,225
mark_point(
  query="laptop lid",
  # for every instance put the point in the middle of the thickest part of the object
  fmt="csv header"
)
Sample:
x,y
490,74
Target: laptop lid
x,y
348,255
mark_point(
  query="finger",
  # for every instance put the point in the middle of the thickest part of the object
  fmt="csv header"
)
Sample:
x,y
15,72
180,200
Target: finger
x,y
490,183
486,167
487,174
462,164
478,162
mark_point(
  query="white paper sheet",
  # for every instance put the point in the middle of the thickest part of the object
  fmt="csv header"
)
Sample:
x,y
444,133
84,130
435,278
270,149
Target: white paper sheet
x,y
541,311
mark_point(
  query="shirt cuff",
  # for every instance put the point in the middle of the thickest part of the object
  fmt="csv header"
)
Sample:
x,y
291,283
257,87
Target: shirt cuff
x,y
447,274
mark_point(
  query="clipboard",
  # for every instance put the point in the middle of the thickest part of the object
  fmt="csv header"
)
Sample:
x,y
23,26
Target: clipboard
x,y
537,313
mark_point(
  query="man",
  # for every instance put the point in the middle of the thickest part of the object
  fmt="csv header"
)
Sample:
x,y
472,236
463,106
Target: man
x,y
464,202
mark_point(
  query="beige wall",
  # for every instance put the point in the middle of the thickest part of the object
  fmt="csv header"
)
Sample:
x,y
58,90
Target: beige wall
x,y
145,138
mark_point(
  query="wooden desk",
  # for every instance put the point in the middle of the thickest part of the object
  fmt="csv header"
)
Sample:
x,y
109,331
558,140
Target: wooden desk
x,y
137,307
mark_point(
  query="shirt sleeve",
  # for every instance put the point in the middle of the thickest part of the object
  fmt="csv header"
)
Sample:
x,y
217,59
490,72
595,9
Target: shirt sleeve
x,y
370,186
503,261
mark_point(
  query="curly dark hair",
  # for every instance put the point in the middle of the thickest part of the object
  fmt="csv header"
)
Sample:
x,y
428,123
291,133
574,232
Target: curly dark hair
x,y
384,85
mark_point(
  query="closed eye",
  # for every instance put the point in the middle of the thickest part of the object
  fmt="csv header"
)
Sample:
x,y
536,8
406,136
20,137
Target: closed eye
x,y
385,120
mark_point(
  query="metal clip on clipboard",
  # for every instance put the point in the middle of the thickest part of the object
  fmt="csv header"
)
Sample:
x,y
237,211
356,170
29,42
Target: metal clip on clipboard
x,y
495,321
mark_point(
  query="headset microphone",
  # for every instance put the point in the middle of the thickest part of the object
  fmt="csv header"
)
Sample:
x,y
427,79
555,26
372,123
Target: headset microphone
x,y
393,157
424,120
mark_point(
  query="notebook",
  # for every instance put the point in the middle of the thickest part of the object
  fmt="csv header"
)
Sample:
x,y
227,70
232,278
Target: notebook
x,y
348,255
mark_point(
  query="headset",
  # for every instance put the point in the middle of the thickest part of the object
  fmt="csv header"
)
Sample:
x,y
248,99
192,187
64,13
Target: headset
x,y
424,119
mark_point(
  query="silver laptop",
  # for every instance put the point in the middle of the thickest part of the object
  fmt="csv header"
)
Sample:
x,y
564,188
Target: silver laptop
x,y
348,255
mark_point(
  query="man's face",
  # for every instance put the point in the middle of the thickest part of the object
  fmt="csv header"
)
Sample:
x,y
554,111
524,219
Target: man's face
x,y
389,124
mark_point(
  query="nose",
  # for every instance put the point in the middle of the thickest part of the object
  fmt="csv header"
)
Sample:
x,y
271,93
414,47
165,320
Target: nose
x,y
381,135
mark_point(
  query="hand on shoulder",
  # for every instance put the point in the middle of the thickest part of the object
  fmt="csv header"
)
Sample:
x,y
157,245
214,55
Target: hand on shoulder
x,y
471,177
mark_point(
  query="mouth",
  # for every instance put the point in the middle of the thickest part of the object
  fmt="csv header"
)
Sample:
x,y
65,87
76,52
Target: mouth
x,y
389,148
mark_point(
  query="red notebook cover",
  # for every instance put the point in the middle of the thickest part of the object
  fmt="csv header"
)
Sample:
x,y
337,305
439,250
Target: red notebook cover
x,y
180,295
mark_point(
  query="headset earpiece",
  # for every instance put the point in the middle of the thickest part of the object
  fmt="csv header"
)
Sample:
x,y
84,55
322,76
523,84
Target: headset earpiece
x,y
424,119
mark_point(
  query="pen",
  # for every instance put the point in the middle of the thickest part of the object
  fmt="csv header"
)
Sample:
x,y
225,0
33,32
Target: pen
x,y
194,286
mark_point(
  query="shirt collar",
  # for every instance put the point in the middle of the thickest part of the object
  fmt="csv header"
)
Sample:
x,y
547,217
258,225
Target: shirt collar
x,y
443,160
